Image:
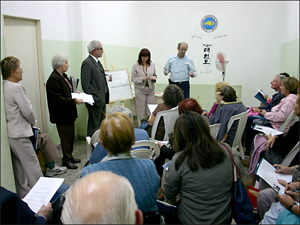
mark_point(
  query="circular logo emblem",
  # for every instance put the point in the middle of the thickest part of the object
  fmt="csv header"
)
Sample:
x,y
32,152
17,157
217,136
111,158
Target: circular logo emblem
x,y
209,23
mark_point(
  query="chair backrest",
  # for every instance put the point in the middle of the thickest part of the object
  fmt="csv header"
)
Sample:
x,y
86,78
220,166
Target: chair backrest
x,y
289,158
170,117
242,118
214,130
95,138
144,153
287,121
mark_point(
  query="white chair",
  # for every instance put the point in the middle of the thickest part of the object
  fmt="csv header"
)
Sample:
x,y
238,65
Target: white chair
x,y
170,117
293,117
152,153
237,142
91,143
214,130
289,158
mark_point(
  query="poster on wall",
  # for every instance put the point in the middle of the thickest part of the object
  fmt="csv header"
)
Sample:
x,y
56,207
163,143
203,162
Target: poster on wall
x,y
208,27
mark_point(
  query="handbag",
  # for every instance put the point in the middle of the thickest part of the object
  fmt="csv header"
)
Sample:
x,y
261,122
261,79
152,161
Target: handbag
x,y
242,208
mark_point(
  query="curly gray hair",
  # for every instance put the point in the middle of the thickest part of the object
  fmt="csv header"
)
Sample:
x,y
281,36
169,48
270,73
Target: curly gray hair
x,y
119,108
59,59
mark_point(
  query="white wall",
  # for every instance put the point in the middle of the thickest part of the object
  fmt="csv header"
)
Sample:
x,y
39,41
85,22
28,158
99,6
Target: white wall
x,y
255,32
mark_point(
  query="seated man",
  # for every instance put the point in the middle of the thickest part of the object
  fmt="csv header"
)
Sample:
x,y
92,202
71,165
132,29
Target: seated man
x,y
15,211
99,152
276,98
50,153
117,137
101,198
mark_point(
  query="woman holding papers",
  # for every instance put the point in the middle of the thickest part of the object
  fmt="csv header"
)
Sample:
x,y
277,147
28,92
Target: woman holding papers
x,y
62,108
143,75
273,148
201,172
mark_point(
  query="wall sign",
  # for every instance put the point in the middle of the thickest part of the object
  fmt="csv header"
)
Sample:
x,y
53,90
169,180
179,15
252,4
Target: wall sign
x,y
209,23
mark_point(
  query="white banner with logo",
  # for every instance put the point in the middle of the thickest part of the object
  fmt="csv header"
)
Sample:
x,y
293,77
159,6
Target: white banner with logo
x,y
207,27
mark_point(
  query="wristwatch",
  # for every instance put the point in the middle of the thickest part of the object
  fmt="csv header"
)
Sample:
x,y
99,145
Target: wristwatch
x,y
291,206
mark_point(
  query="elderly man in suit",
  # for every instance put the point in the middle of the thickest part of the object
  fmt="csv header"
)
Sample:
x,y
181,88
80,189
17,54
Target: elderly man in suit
x,y
93,82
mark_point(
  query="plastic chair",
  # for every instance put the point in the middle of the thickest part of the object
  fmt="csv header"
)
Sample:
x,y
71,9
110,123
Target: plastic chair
x,y
214,130
293,117
289,158
170,117
143,153
91,143
237,142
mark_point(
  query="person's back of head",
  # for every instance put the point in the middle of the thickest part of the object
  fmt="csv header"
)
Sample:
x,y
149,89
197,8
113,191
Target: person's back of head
x,y
117,133
228,93
285,74
172,95
101,198
219,85
192,137
189,104
120,108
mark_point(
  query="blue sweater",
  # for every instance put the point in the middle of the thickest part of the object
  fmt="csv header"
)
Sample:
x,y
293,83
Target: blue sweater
x,y
142,175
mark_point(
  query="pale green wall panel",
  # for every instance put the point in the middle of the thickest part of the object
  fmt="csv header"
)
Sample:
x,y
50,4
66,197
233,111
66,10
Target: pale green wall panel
x,y
290,58
7,175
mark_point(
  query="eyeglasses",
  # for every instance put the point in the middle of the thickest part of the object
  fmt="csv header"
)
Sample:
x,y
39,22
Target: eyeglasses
x,y
99,49
21,69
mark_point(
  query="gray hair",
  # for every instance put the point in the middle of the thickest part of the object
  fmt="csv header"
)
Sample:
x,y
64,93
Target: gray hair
x,y
119,108
92,46
59,59
280,77
101,197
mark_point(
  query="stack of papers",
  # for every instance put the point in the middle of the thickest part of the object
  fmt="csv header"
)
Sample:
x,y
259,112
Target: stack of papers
x,y
85,97
267,130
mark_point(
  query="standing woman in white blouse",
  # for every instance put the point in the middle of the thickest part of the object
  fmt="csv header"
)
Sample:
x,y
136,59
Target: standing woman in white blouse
x,y
143,75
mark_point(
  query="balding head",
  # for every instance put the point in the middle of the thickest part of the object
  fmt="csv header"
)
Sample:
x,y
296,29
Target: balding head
x,y
100,198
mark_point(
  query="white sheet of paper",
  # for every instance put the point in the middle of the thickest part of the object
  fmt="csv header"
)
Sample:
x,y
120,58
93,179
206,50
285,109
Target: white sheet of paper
x,y
261,91
152,107
85,97
267,172
42,192
267,130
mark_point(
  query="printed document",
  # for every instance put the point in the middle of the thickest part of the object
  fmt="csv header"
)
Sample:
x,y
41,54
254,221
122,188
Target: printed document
x,y
267,130
42,192
152,107
267,172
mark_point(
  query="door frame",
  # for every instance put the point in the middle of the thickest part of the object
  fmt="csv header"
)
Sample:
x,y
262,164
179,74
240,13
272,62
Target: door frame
x,y
41,76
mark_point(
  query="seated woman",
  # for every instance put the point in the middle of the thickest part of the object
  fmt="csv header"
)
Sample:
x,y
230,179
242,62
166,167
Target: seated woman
x,y
197,171
273,148
99,152
215,105
278,114
228,105
117,137
171,97
188,104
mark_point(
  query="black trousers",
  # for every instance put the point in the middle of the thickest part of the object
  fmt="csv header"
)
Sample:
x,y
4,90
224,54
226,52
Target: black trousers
x,y
96,115
66,134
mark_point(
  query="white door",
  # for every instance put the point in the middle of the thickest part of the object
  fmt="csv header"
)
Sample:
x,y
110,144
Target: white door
x,y
20,37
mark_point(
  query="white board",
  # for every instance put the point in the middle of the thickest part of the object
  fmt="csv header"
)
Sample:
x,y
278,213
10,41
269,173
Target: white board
x,y
120,86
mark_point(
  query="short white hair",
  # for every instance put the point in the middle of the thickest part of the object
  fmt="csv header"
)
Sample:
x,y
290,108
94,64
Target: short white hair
x,y
92,46
101,197
59,59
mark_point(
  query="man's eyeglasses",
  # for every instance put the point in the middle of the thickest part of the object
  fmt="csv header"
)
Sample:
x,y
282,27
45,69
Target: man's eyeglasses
x,y
99,49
